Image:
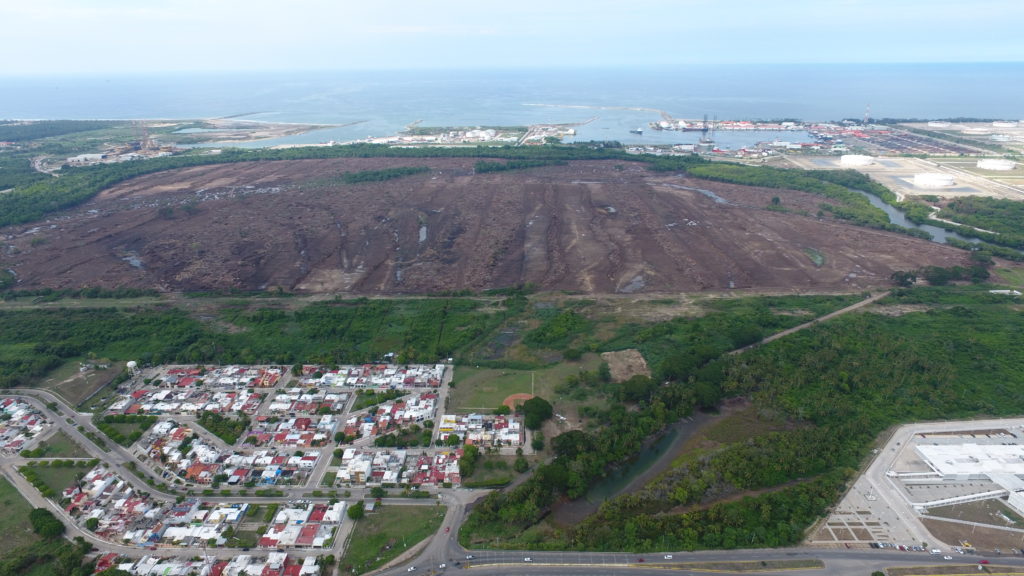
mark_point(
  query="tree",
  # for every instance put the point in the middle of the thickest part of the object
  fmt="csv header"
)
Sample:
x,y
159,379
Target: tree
x,y
467,464
521,465
357,511
92,524
502,410
452,440
46,524
535,411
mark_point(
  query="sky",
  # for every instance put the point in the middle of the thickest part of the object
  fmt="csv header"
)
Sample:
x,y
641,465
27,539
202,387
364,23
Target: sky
x,y
132,36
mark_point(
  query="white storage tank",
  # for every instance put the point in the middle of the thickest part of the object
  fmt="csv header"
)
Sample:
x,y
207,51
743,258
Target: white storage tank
x,y
996,164
1004,124
933,180
938,124
853,160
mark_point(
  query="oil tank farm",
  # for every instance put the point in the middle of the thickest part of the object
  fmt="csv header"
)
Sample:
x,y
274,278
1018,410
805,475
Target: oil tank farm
x,y
855,160
931,180
999,164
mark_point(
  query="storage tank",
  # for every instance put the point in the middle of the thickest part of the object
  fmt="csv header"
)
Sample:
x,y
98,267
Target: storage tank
x,y
1004,124
975,130
996,164
853,160
933,180
938,124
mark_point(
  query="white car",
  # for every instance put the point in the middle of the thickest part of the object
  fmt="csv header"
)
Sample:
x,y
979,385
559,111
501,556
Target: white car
x,y
411,569
527,559
947,557
668,556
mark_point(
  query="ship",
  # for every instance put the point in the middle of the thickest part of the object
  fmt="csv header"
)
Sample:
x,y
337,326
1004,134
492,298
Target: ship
x,y
639,131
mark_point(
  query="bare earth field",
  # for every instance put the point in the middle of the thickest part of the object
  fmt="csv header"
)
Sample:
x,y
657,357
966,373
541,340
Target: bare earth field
x,y
594,227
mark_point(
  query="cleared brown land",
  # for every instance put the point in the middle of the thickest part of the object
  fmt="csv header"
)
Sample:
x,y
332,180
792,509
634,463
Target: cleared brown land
x,y
624,364
595,227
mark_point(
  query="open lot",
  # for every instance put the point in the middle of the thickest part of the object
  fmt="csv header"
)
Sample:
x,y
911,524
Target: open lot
x,y
14,523
387,533
59,445
75,385
588,226
60,477
478,389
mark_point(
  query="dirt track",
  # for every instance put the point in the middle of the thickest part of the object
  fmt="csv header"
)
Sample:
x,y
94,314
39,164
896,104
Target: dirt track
x,y
596,227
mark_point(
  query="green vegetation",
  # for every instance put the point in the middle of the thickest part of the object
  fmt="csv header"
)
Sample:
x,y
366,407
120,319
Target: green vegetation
x,y
16,172
479,389
45,524
226,428
367,398
558,330
125,429
413,435
369,176
482,167
52,477
12,521
57,446
56,557
826,392
27,131
536,411
36,341
382,536
833,184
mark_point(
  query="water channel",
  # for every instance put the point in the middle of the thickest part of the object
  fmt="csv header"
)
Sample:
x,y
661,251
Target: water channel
x,y
653,459
898,218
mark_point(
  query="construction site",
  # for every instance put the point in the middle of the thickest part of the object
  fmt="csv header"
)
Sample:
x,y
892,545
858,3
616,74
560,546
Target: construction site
x,y
954,486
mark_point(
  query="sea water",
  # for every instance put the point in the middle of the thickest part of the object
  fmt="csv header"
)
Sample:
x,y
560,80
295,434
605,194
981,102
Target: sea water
x,y
614,100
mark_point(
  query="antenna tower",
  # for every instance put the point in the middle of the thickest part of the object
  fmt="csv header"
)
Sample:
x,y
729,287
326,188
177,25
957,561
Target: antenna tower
x,y
867,114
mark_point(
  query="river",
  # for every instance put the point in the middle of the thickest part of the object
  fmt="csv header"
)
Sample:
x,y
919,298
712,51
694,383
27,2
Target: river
x,y
652,460
897,217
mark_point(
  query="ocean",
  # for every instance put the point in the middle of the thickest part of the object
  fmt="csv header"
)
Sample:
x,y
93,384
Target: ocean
x,y
614,100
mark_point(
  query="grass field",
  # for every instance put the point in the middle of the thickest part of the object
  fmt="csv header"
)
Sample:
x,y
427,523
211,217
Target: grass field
x,y
61,446
479,389
740,425
60,477
14,523
383,535
1012,277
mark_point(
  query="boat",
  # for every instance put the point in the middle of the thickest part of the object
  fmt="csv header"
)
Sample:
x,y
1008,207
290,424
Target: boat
x,y
639,131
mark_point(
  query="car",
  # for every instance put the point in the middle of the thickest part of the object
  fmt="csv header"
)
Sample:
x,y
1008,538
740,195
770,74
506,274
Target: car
x,y
245,549
470,556
982,561
443,565
947,557
527,559
410,569
639,559
668,556
447,529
